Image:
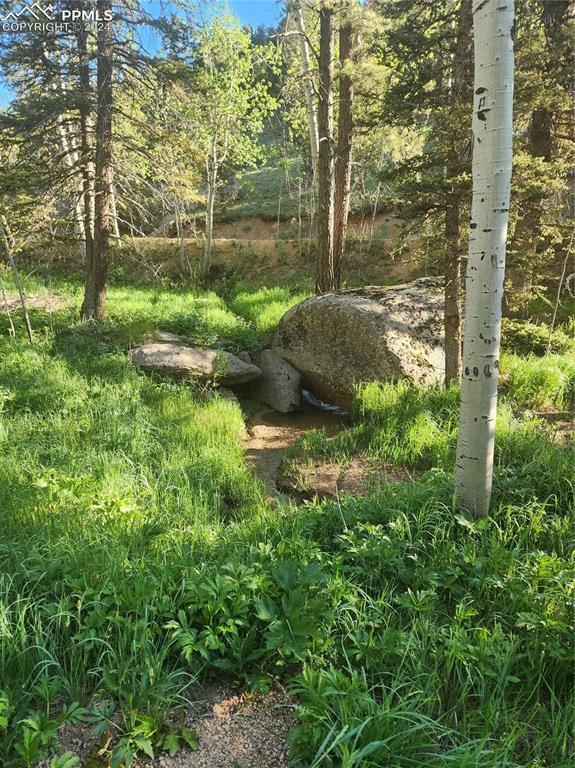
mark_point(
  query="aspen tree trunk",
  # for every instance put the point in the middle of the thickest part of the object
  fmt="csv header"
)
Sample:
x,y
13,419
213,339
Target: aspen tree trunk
x,y
71,159
459,83
180,233
305,57
492,157
344,150
97,266
210,201
325,275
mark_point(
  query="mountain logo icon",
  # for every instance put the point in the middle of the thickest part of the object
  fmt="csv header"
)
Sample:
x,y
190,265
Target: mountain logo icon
x,y
36,11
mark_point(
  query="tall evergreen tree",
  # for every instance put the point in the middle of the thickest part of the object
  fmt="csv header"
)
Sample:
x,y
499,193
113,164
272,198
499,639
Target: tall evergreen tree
x,y
98,261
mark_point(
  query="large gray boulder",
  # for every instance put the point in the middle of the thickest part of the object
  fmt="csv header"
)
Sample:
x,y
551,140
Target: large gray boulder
x,y
339,339
179,360
280,385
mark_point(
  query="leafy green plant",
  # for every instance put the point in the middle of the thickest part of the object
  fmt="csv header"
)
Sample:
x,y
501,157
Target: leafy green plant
x,y
523,338
138,553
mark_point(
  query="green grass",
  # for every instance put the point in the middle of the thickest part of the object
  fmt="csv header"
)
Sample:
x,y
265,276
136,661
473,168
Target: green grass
x,y
525,338
139,554
263,308
535,382
134,312
259,191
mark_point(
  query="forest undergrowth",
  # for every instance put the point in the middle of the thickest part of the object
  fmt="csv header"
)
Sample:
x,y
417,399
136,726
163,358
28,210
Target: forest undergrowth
x,y
139,554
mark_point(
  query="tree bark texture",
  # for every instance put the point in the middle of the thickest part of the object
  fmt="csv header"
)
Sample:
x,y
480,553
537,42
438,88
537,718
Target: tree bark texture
x,y
86,143
325,275
97,265
212,177
344,149
305,58
492,157
460,83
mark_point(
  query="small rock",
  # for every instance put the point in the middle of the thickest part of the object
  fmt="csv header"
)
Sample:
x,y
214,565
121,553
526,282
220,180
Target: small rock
x,y
280,386
245,356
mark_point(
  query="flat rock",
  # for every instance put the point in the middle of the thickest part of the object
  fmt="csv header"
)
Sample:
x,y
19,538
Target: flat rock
x,y
280,385
180,360
337,340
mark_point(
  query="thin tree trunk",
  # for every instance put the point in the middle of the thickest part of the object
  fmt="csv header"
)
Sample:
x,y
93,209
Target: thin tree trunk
x,y
180,233
86,158
278,218
325,274
492,158
458,95
210,201
558,297
305,58
70,156
71,162
114,215
7,308
344,150
375,207
97,267
5,237
299,221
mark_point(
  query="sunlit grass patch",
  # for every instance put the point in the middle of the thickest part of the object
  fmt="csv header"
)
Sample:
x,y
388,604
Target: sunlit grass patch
x,y
540,382
264,307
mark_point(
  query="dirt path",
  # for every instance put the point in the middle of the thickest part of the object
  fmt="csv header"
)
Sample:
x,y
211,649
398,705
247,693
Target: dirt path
x,y
270,435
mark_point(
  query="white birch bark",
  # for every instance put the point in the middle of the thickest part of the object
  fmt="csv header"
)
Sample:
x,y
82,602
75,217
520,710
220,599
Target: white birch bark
x,y
493,22
212,174
305,57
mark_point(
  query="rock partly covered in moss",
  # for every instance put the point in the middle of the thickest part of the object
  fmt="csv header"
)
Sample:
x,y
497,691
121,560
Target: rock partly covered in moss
x,y
339,339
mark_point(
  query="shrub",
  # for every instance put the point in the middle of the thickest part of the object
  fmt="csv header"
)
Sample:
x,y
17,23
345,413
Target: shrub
x,y
523,338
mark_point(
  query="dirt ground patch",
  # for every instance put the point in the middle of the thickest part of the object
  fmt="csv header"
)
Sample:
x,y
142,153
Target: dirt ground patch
x,y
328,479
252,249
33,301
561,424
269,435
235,729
